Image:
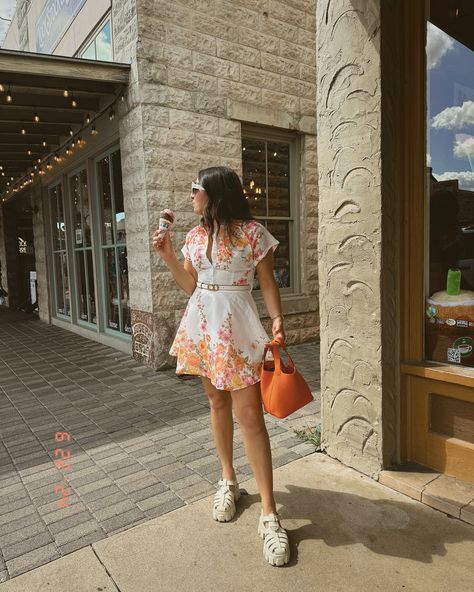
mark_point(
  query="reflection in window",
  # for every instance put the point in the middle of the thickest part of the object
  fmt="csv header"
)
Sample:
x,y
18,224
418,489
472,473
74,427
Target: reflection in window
x,y
60,268
113,243
450,161
100,48
85,292
266,181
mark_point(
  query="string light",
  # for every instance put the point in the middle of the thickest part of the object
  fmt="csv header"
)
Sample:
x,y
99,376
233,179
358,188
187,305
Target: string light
x,y
73,102
29,151
2,88
79,141
9,97
65,93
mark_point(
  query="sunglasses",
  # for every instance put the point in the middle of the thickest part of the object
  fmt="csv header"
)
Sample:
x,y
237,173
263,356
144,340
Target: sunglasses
x,y
196,187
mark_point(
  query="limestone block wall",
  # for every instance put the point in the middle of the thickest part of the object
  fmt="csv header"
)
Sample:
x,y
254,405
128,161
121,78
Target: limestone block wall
x,y
41,249
358,324
203,68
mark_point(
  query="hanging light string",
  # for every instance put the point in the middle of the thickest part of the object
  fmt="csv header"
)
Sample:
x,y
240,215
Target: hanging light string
x,y
75,138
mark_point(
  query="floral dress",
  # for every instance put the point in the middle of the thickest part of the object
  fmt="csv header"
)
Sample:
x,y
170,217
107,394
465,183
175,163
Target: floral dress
x,y
220,335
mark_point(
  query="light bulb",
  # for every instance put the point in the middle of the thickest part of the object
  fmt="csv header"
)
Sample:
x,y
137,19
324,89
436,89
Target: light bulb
x,y
111,114
23,131
37,118
29,152
44,143
88,118
70,131
9,97
66,93
94,132
74,103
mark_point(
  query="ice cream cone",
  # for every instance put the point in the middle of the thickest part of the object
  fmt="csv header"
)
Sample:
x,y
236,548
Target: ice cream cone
x,y
166,221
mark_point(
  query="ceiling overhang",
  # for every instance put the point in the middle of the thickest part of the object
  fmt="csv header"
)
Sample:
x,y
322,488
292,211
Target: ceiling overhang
x,y
36,84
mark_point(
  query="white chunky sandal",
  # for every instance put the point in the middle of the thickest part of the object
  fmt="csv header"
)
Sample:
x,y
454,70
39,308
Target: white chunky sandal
x,y
224,500
276,547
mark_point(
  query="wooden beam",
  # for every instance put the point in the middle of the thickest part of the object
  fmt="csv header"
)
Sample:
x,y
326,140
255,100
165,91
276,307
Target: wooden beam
x,y
28,139
45,101
34,129
26,116
65,72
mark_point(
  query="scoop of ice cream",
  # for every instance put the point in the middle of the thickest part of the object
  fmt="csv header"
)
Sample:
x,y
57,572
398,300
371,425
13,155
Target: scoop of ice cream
x,y
167,215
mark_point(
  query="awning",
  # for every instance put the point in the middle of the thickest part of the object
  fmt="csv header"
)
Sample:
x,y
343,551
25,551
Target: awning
x,y
46,102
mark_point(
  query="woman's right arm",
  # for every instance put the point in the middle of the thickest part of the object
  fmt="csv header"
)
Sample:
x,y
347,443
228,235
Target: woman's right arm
x,y
184,275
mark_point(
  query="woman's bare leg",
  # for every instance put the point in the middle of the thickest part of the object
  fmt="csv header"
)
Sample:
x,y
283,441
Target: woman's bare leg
x,y
222,426
248,411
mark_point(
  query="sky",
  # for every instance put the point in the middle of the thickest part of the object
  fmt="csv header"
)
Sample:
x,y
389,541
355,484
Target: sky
x,y
450,92
7,9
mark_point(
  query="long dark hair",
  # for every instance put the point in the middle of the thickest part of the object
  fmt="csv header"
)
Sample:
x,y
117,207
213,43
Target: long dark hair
x,y
226,200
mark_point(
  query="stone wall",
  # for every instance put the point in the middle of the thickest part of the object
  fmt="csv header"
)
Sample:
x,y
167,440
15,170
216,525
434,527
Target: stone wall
x,y
41,259
203,68
3,255
357,234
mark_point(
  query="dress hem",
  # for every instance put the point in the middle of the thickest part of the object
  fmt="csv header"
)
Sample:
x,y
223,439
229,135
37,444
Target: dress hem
x,y
219,389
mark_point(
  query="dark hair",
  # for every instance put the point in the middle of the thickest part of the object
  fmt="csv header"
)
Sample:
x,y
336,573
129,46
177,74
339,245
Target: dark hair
x,y
226,200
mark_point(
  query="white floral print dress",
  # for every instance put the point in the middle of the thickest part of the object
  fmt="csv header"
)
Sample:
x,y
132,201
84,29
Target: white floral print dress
x,y
220,335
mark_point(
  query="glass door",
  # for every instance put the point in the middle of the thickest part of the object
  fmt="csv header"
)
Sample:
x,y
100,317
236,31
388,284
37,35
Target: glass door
x,y
113,243
82,248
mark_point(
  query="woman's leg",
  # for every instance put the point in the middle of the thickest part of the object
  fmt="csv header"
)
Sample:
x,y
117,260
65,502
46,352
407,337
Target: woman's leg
x,y
247,404
222,426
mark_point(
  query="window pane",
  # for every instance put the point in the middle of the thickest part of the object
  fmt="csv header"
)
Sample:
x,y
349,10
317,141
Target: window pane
x,y
81,286
106,199
89,52
62,284
55,220
281,257
111,284
86,215
90,275
449,335
254,176
76,208
103,43
118,198
124,301
278,157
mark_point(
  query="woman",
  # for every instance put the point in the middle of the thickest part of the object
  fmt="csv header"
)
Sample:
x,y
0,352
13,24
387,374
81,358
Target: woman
x,y
221,338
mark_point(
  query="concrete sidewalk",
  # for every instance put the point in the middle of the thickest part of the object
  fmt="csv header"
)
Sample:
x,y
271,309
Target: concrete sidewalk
x,y
347,533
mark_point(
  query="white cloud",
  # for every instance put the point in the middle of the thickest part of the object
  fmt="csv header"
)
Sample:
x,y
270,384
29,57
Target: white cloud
x,y
465,178
454,117
428,159
437,44
7,10
464,146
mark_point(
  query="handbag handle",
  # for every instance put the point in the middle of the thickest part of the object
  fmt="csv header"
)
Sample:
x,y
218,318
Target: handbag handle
x,y
274,346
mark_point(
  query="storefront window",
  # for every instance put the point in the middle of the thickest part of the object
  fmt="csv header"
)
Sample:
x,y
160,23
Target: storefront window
x,y
450,163
82,246
60,264
266,165
114,243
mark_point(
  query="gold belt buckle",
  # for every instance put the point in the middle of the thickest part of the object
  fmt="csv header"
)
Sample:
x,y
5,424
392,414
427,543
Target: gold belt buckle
x,y
214,286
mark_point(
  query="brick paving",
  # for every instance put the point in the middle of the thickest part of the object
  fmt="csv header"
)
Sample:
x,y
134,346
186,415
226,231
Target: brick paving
x,y
141,441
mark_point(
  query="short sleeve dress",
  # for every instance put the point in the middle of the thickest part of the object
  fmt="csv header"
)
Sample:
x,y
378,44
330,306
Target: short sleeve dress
x,y
220,335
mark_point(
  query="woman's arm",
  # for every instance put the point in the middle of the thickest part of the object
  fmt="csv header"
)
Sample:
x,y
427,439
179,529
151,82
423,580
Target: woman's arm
x,y
271,294
184,275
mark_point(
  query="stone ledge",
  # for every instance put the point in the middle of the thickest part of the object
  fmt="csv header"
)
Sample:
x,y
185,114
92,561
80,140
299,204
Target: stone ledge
x,y
444,493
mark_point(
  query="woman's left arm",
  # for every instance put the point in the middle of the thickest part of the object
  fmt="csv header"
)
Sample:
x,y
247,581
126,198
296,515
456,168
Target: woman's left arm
x,y
271,294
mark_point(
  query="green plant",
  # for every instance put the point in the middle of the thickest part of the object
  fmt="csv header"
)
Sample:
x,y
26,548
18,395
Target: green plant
x,y
310,434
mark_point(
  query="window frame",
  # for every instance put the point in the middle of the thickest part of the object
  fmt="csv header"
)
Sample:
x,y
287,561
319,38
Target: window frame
x,y
293,139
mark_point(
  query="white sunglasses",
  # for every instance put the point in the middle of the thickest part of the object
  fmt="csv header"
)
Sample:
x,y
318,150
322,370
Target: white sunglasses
x,y
197,187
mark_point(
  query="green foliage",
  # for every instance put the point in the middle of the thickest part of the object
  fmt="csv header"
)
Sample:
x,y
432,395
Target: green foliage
x,y
310,434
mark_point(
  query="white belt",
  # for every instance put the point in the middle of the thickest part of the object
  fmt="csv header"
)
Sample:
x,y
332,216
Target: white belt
x,y
215,287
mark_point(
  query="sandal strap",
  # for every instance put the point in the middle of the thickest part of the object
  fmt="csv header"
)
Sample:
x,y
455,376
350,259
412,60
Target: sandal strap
x,y
227,482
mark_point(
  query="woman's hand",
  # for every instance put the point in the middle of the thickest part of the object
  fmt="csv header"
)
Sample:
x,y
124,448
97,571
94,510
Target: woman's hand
x,y
278,330
163,246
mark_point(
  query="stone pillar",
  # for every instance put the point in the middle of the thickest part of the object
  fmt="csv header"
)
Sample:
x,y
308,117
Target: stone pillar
x,y
38,195
357,233
3,256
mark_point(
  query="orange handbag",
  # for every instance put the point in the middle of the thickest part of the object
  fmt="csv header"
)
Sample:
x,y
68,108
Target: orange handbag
x,y
283,389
